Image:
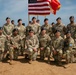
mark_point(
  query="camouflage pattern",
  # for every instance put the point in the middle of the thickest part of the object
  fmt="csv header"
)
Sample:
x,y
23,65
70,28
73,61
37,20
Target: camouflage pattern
x,y
68,49
36,28
22,33
57,46
2,46
31,43
44,41
48,28
72,29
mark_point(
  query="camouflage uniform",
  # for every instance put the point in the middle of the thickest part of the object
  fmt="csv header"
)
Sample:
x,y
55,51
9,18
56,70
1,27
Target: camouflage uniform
x,y
36,28
59,27
2,46
7,29
32,42
48,28
22,33
72,29
57,46
14,41
44,41
68,49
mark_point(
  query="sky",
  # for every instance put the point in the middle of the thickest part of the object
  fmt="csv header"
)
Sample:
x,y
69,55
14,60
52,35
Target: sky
x,y
18,9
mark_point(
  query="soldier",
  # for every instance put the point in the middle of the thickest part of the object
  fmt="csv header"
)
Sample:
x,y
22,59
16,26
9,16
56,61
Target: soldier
x,y
44,41
7,28
32,45
13,22
7,31
2,44
22,33
47,26
59,26
35,26
14,45
68,47
57,46
71,26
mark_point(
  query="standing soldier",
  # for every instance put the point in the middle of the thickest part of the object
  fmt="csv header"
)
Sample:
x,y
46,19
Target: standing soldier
x,y
59,26
32,45
22,32
2,44
35,26
7,30
57,46
47,26
44,41
71,26
13,22
68,47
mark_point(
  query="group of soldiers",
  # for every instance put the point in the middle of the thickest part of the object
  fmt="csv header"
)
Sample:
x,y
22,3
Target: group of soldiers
x,y
55,40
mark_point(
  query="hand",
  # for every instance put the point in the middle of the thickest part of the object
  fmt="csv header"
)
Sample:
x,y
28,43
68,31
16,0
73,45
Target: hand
x,y
14,46
35,49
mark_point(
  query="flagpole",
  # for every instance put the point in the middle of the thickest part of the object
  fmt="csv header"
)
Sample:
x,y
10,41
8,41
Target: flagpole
x,y
37,17
28,18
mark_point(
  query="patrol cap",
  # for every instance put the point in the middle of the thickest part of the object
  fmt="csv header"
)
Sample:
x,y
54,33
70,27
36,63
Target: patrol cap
x,y
43,29
23,24
58,18
31,30
15,30
46,19
33,18
71,17
68,32
7,18
57,31
1,28
52,23
19,20
12,20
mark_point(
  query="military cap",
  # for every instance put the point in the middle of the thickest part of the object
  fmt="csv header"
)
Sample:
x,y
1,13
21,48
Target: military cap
x,y
23,24
58,18
15,30
7,18
68,32
31,30
12,20
43,28
71,17
57,31
1,28
33,18
45,19
19,20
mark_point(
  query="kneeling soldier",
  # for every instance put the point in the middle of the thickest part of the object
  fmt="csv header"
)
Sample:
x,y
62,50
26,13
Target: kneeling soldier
x,y
44,41
32,45
57,46
68,47
14,45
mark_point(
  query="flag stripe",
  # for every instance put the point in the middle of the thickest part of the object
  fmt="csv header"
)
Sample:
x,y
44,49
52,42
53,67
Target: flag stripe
x,y
39,8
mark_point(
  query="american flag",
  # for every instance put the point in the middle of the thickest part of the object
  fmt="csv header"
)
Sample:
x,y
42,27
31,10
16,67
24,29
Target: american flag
x,y
38,7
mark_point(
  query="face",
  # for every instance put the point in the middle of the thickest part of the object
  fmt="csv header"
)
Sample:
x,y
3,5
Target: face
x,y
43,32
20,22
72,20
68,35
8,21
12,22
31,34
57,34
1,31
34,20
15,33
46,22
58,21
